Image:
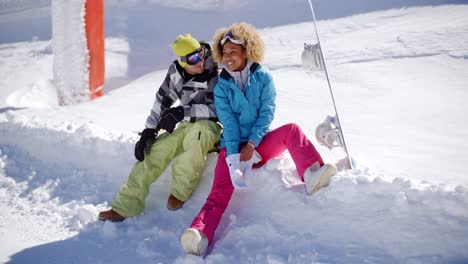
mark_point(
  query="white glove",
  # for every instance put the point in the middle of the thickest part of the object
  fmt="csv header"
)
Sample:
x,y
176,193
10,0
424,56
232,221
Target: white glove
x,y
238,169
237,176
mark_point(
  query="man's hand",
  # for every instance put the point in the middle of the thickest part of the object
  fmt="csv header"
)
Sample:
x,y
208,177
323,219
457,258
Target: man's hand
x,y
171,117
147,138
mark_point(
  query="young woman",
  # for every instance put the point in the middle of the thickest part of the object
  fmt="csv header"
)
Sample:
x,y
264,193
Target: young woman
x,y
245,105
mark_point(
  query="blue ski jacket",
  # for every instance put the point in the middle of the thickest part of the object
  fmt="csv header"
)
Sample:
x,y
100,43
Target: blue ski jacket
x,y
245,115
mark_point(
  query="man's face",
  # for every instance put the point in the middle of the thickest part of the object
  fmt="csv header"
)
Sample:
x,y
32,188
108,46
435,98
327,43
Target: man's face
x,y
196,68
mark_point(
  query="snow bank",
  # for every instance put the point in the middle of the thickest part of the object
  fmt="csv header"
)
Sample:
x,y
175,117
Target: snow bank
x,y
65,173
361,216
71,153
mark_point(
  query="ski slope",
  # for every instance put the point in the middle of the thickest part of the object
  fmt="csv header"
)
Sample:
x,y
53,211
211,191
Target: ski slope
x,y
399,78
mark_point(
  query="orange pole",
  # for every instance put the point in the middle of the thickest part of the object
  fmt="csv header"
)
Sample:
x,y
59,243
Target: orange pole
x,y
95,40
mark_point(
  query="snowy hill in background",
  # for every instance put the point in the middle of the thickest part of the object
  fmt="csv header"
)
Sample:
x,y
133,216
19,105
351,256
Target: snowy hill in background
x,y
399,78
144,22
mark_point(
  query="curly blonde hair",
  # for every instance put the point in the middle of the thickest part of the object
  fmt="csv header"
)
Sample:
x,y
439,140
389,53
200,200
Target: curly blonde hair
x,y
245,32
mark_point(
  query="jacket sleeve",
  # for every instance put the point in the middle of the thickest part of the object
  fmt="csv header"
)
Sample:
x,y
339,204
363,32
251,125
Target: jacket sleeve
x,y
203,110
166,96
266,112
231,130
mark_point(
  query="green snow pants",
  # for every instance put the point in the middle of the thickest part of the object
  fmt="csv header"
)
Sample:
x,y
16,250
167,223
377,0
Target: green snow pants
x,y
187,147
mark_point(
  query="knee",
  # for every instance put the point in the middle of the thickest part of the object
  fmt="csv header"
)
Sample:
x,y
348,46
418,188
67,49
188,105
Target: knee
x,y
199,134
198,125
293,127
205,132
201,128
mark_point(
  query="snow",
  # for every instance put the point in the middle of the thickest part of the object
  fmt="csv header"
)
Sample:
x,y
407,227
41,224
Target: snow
x,y
71,55
399,80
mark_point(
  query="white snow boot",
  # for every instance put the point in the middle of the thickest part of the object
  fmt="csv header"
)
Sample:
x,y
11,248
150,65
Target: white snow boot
x,y
316,177
194,242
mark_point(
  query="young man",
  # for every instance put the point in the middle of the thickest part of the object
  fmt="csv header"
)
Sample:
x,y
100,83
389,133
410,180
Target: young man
x,y
190,80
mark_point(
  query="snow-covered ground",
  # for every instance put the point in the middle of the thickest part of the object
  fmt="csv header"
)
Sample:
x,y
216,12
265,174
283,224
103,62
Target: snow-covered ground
x,y
399,79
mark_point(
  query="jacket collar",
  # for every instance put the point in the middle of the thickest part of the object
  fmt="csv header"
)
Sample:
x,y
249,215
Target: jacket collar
x,y
225,74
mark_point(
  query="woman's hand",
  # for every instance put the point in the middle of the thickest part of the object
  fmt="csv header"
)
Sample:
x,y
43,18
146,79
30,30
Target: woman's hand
x,y
246,152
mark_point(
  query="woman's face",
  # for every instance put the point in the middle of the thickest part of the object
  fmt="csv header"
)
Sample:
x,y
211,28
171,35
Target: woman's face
x,y
234,56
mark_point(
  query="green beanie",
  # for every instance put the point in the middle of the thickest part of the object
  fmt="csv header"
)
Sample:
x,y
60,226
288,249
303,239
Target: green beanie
x,y
184,45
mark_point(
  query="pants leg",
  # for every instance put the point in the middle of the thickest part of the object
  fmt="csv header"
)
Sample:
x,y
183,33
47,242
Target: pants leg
x,y
187,168
292,138
289,137
210,214
130,200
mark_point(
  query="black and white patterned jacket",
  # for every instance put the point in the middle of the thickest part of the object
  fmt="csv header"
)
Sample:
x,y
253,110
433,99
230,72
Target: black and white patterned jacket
x,y
195,93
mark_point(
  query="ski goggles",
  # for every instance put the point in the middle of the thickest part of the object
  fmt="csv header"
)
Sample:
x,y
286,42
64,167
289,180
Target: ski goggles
x,y
194,57
229,36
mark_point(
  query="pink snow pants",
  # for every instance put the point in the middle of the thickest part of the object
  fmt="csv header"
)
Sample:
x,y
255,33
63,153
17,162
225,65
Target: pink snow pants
x,y
289,136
